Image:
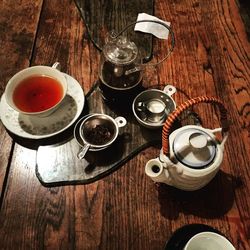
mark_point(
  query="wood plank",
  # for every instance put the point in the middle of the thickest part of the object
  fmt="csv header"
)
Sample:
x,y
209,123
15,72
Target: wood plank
x,y
215,61
126,210
103,17
244,8
17,35
36,219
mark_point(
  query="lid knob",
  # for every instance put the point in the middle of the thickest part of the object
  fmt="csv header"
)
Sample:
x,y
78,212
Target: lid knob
x,y
194,147
198,141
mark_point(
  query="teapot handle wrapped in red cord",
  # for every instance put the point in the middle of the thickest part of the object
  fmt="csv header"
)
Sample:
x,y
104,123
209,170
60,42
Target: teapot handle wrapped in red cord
x,y
175,114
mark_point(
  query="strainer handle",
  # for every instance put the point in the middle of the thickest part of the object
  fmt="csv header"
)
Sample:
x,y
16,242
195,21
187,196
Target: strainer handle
x,y
174,115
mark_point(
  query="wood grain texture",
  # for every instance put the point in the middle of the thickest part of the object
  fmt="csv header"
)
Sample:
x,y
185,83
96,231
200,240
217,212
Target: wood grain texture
x,y
51,171
102,17
126,210
17,35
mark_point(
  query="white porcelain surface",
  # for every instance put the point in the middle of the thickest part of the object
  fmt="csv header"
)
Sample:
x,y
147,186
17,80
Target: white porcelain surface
x,y
31,71
169,170
208,241
34,127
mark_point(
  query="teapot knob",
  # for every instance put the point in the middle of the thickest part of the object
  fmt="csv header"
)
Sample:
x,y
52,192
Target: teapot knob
x,y
198,140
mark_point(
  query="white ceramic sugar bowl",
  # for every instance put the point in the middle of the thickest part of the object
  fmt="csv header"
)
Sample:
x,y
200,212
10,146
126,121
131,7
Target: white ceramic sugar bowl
x,y
191,155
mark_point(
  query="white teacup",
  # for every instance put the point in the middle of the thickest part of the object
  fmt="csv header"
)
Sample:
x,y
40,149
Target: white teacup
x,y
208,241
47,88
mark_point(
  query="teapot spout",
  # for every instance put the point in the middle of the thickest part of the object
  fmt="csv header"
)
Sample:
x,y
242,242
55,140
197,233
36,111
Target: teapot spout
x,y
155,170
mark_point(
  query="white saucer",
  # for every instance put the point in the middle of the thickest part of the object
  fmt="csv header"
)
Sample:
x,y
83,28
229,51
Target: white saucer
x,y
43,127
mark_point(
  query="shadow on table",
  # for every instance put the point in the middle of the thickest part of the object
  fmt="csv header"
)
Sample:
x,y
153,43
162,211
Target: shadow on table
x,y
57,139
212,201
244,7
35,143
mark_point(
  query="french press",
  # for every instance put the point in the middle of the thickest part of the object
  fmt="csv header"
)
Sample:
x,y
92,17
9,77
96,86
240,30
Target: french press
x,y
121,67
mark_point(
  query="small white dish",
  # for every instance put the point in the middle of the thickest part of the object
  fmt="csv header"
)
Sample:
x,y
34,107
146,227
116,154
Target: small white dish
x,y
43,127
208,241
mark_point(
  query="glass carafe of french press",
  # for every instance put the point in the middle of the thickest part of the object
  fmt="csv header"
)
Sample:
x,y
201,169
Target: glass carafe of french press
x,y
121,67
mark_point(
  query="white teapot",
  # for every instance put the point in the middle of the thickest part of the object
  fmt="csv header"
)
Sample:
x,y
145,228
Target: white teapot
x,y
190,156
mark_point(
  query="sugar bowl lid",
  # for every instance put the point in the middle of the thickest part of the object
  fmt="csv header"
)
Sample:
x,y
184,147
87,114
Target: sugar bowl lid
x,y
194,148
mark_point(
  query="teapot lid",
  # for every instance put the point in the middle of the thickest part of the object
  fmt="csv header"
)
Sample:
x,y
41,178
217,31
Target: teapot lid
x,y
194,148
120,50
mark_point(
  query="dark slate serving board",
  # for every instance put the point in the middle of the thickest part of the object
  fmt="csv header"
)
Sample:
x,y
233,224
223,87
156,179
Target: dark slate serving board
x,y
101,17
59,165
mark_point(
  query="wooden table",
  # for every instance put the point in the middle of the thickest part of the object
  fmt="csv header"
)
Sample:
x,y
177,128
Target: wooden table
x,y
126,209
